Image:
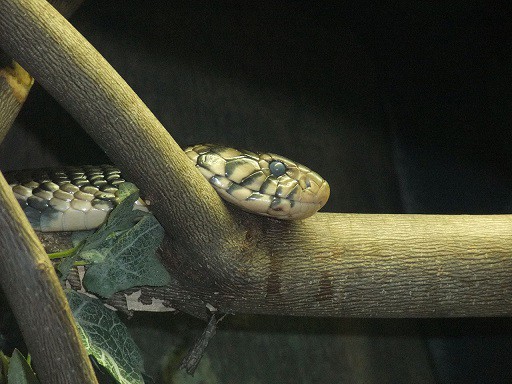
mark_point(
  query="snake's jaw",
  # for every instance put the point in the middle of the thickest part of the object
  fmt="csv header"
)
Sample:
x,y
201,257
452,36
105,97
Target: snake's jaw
x,y
261,183
80,198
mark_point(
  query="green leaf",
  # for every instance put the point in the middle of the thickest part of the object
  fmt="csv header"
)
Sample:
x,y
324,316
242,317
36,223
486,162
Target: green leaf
x,y
88,243
64,267
4,367
106,338
20,371
121,218
127,260
78,237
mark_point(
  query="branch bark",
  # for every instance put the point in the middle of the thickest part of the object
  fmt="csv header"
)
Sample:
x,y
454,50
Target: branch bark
x,y
328,265
351,265
15,84
27,277
40,305
97,97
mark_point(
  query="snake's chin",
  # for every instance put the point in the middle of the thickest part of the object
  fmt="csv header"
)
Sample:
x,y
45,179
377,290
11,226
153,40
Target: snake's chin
x,y
274,206
262,183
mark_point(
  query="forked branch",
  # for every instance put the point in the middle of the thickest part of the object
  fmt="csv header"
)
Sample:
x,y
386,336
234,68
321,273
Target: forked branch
x,y
328,265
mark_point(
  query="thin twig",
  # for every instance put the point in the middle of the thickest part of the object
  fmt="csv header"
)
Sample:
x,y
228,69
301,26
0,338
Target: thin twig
x,y
193,357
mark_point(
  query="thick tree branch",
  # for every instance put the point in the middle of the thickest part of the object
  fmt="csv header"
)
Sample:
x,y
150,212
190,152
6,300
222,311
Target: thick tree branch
x,y
351,265
38,303
15,82
328,265
90,89
27,276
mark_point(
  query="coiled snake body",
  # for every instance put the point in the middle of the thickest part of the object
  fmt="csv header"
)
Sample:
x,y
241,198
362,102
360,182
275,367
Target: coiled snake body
x,y
80,198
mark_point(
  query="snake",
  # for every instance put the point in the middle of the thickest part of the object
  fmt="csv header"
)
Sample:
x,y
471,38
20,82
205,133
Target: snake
x,y
74,198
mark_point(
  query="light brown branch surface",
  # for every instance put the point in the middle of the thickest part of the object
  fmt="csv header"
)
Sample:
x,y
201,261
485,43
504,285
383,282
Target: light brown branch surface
x,y
97,97
15,84
39,304
351,265
328,265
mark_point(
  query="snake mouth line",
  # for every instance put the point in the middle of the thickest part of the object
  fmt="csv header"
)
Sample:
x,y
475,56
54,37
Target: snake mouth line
x,y
262,183
80,198
280,207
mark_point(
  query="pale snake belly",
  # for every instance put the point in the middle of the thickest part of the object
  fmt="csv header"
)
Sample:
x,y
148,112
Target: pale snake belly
x,y
80,198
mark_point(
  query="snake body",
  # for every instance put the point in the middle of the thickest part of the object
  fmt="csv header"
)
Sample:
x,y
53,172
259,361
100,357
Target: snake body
x,y
80,198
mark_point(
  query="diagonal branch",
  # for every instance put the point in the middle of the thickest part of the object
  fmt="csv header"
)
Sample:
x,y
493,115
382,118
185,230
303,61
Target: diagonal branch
x,y
328,265
97,97
40,306
27,276
15,82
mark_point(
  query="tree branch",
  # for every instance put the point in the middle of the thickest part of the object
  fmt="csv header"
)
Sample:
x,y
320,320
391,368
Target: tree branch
x,y
15,84
328,265
27,276
350,265
40,306
97,97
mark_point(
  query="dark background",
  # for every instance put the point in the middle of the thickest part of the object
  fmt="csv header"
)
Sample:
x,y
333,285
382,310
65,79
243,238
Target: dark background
x,y
402,106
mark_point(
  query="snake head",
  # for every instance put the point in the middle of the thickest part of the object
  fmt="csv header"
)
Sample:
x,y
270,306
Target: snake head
x,y
261,183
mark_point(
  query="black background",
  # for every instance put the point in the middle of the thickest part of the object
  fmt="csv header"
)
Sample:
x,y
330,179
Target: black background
x,y
402,106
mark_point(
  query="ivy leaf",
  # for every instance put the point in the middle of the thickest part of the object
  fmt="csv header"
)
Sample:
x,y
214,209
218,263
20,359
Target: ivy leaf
x,y
127,260
20,371
65,266
4,368
88,243
106,338
120,219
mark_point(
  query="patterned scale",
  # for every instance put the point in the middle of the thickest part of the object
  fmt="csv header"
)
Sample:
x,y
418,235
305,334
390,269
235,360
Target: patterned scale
x,y
68,198
263,183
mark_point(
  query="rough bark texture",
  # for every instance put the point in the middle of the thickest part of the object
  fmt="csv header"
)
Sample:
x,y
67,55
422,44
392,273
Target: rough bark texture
x,y
39,305
362,266
27,277
15,82
329,265
15,85
90,89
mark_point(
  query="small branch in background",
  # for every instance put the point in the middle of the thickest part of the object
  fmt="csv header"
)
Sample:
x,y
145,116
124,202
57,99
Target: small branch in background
x,y
191,361
15,84
66,7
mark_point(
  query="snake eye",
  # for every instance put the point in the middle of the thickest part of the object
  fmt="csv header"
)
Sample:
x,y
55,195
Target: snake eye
x,y
277,168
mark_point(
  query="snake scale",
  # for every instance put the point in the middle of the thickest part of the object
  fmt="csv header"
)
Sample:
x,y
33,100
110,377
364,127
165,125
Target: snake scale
x,y
80,198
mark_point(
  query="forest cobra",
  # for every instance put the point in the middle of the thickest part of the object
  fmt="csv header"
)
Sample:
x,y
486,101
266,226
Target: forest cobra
x,y
80,198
